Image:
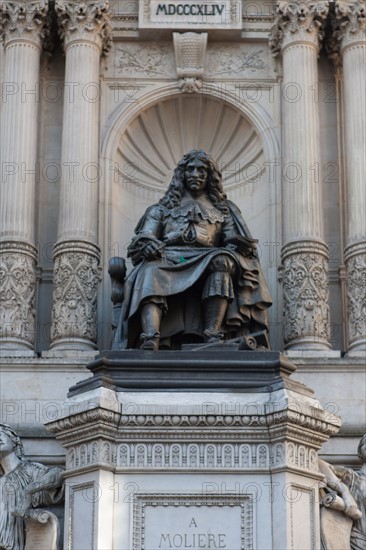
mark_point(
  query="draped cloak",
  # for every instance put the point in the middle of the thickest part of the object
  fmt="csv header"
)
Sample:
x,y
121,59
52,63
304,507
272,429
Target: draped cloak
x,y
179,274
12,493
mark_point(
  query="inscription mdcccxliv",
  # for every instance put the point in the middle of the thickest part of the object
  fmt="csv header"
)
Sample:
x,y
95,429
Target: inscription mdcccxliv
x,y
186,13
204,10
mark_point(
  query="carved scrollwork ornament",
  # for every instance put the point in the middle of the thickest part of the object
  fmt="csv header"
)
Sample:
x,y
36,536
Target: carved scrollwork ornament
x,y
356,294
305,287
89,21
298,21
76,278
28,21
17,294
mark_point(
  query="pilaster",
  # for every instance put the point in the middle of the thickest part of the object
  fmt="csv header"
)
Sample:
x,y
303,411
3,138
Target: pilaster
x,y
24,29
297,34
85,30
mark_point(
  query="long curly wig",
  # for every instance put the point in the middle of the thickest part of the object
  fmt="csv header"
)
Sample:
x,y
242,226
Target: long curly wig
x,y
214,187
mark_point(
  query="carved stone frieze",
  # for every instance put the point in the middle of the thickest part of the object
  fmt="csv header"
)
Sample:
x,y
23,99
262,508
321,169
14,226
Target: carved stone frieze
x,y
305,290
298,21
28,21
137,60
191,455
85,21
190,54
76,278
356,294
235,60
17,294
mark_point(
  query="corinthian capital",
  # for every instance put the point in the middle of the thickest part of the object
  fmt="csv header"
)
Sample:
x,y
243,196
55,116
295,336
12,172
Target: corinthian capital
x,y
297,20
28,21
89,21
349,22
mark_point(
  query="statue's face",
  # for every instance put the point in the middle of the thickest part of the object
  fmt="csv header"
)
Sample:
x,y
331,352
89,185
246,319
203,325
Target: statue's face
x,y
6,444
195,177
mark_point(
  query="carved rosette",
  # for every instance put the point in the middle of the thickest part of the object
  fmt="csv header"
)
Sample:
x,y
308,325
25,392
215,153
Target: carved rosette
x,y
25,21
74,312
305,290
85,22
298,21
355,257
17,295
190,54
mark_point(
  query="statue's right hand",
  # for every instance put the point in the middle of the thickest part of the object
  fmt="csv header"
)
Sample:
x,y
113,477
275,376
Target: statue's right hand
x,y
152,250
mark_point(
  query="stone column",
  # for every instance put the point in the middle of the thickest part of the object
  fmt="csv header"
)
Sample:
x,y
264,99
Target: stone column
x,y
23,26
85,31
297,34
349,26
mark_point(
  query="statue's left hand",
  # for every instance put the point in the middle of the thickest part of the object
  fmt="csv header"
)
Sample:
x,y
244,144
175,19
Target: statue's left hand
x,y
152,250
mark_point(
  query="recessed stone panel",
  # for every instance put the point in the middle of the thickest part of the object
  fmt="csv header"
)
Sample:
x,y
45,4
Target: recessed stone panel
x,y
200,14
168,521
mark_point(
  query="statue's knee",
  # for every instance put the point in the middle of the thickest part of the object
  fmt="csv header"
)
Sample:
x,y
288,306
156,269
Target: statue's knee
x,y
222,263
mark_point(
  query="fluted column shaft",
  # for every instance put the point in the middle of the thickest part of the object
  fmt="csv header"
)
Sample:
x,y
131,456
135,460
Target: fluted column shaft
x,y
304,255
24,27
84,28
351,19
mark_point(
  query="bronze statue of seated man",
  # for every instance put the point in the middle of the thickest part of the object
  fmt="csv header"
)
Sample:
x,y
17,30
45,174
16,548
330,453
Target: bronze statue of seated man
x,y
196,275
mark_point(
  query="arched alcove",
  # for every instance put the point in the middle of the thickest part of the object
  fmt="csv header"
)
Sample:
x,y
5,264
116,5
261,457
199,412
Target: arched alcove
x,y
145,143
157,138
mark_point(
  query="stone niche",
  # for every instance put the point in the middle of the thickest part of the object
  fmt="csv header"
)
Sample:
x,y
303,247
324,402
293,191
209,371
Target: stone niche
x,y
151,143
210,449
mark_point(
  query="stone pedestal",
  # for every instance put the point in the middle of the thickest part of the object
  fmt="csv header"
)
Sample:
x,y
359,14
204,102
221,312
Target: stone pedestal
x,y
220,452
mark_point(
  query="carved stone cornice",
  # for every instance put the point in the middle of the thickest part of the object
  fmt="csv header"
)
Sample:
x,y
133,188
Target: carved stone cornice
x,y
297,21
76,279
25,21
17,294
85,22
306,294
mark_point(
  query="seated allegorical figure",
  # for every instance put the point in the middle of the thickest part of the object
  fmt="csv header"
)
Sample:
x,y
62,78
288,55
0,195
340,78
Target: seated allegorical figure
x,y
196,275
23,485
351,486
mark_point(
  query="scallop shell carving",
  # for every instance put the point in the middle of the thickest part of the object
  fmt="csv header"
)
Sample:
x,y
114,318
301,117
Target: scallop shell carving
x,y
158,137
